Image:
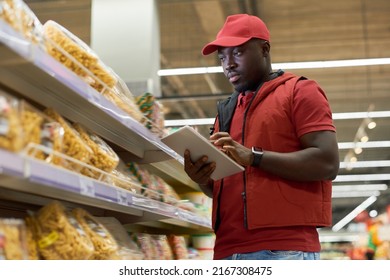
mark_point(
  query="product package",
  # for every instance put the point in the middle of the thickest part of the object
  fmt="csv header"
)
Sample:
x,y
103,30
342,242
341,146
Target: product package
x,y
77,56
18,15
153,113
11,132
72,145
103,156
13,239
104,243
60,235
40,129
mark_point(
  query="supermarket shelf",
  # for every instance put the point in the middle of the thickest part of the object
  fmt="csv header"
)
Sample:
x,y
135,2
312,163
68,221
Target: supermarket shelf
x,y
27,69
27,180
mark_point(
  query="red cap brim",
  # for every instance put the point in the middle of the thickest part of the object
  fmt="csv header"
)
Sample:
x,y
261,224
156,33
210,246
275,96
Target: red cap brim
x,y
223,42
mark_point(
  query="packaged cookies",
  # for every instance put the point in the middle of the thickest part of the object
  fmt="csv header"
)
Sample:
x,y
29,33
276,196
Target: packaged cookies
x,y
60,235
11,132
104,244
102,157
76,55
18,15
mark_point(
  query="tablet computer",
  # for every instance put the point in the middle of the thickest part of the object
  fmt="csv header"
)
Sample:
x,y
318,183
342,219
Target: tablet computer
x,y
188,138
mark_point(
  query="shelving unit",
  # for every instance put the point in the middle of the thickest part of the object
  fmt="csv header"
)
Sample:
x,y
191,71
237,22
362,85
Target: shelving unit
x,y
29,71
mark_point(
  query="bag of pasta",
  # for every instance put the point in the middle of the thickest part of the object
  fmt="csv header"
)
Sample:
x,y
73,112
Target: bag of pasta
x,y
11,132
13,240
42,135
104,244
60,235
72,144
103,156
17,14
77,56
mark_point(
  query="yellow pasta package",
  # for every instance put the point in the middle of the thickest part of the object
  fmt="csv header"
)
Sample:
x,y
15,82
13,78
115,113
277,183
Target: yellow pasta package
x,y
60,235
77,56
13,239
17,14
41,130
103,156
105,245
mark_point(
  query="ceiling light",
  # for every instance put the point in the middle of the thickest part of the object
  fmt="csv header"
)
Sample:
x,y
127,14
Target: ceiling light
x,y
335,116
371,144
366,164
371,124
363,187
339,225
287,65
358,150
362,177
344,194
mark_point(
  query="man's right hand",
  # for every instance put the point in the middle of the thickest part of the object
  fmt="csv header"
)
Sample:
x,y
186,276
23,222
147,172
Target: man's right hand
x,y
199,171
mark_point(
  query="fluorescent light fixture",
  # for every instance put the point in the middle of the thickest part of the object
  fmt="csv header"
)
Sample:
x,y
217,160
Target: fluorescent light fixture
x,y
362,177
339,225
287,65
365,187
364,164
355,194
370,144
336,116
339,237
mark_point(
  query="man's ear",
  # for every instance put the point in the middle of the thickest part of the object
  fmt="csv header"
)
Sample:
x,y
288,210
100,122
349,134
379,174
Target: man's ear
x,y
266,47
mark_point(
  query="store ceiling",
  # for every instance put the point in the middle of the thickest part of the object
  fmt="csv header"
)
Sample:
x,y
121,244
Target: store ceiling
x,y
301,30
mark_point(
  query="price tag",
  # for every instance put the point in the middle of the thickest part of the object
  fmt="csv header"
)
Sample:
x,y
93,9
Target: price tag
x,y
122,197
86,187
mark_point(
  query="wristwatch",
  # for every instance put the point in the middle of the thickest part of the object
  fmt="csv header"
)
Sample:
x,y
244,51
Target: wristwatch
x,y
257,156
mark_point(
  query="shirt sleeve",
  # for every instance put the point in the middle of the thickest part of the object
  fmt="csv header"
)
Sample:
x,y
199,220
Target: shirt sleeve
x,y
311,109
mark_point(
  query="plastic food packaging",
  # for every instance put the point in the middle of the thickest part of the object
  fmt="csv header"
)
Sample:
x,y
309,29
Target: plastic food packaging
x,y
60,235
103,157
11,132
31,233
17,14
122,97
147,245
76,55
163,249
128,248
13,240
104,243
40,129
72,145
153,112
124,181
179,247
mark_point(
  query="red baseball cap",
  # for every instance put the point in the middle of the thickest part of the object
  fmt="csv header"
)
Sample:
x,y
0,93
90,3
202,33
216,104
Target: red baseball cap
x,y
237,30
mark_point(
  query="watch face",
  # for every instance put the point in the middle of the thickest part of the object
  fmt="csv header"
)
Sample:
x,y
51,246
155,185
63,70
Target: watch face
x,y
256,150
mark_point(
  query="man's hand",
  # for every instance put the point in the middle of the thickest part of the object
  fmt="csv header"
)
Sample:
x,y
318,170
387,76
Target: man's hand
x,y
239,153
199,171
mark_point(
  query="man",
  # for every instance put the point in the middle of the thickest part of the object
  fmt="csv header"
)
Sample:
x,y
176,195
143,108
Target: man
x,y
279,127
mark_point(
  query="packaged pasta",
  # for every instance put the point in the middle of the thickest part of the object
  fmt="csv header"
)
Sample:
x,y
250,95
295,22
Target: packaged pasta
x,y
104,244
60,235
13,239
40,129
76,55
164,250
127,247
121,96
72,144
31,234
11,132
124,181
103,156
17,14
